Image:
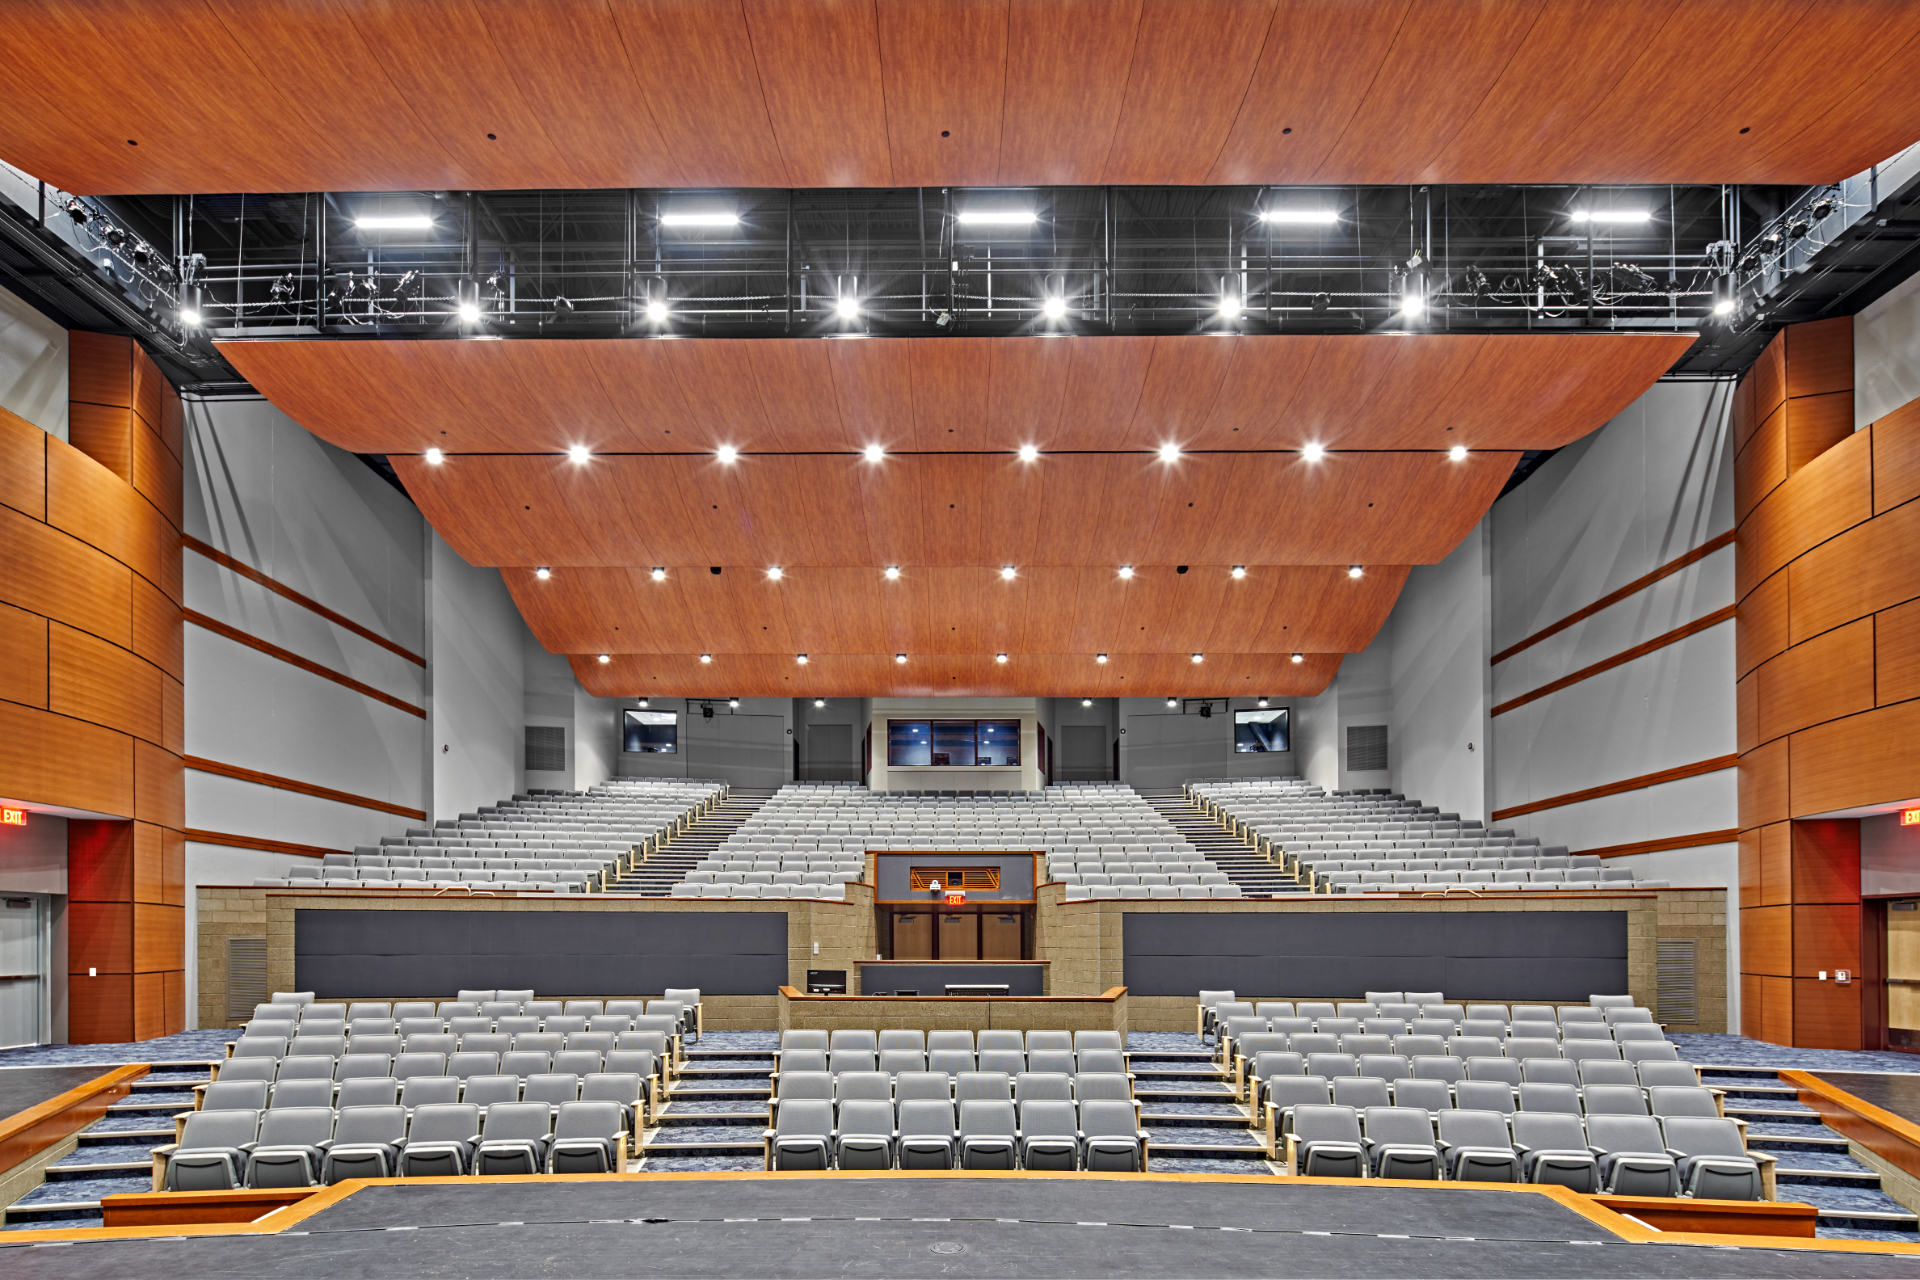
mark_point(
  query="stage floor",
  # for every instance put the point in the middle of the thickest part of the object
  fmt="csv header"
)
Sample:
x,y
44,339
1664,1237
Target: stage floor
x,y
937,1225
1899,1094
24,1087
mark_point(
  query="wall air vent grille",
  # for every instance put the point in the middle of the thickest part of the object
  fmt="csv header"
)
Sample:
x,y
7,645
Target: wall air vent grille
x,y
546,748
1676,982
1366,747
246,976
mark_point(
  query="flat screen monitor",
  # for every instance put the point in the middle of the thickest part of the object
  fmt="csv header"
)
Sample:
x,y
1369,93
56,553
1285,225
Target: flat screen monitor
x,y
652,732
1264,730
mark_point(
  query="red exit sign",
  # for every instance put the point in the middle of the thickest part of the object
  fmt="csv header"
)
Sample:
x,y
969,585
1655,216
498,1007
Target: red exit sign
x,y
1908,818
13,817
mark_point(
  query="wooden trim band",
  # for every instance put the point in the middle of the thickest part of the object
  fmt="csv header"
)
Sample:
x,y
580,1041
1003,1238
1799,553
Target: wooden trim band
x,y
1615,788
252,574
1693,841
1639,584
258,842
1893,1138
274,780
26,1134
1713,619
202,621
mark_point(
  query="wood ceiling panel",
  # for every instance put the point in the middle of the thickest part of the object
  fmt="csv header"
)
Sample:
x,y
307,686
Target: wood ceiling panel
x,y
795,380
1027,385
890,505
1069,61
1795,81
1320,59
1622,139
1194,524
1422,101
873,386
1542,94
1880,117
1077,517
1103,392
1403,398
638,379
1012,496
1341,377
950,381
1183,380
1168,132
819,64
706,103
814,624
1264,377
953,505
328,395
717,389
1541,391
463,97
945,63
608,136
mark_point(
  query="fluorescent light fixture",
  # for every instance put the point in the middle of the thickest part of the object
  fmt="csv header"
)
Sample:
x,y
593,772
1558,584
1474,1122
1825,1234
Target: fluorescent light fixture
x,y
579,453
1239,571
1299,657
659,574
713,218
775,573
543,573
1126,571
656,311
1199,657
1054,308
1316,217
1611,215
1313,452
1169,453
393,222
1100,658
891,572
726,453
848,308
1458,453
606,657
1008,573
436,457
997,217
1229,307
706,657
900,657
999,657
468,311
873,453
1029,453
800,658
1355,571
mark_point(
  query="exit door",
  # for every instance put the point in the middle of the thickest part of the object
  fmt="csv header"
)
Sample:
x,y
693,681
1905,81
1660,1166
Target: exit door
x,y
23,969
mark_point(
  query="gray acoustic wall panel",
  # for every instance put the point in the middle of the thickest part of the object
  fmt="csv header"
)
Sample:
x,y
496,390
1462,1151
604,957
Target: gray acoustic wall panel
x,y
432,954
931,978
1546,956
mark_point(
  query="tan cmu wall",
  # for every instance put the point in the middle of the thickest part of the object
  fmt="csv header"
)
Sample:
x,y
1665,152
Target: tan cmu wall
x,y
225,912
955,1014
1700,914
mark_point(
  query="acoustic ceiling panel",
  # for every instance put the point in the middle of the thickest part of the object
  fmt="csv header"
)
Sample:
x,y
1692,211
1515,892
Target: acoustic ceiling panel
x,y
368,95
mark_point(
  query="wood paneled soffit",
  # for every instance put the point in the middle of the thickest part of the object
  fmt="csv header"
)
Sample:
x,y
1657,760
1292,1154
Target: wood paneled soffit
x,y
1361,392
489,94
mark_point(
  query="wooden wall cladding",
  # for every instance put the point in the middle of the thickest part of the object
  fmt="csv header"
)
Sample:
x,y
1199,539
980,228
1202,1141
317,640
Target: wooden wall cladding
x,y
450,94
92,704
1363,392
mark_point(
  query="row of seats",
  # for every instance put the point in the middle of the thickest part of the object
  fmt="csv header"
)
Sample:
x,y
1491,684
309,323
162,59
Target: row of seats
x,y
555,1088
1099,1135
492,1004
1699,1156
459,1065
1216,1005
954,1062
1453,1074
308,1146
1458,1047
736,874
930,1041
510,1025
836,892
342,882
1019,1086
1190,873
1088,892
393,1046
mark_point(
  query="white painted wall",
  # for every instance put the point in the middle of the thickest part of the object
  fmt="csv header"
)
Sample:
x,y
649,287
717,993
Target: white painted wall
x,y
33,366
1316,736
1886,353
477,647
1440,635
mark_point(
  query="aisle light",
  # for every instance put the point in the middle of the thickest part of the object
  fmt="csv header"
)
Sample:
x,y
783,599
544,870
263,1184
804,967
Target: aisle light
x,y
819,702
1172,703
643,703
1261,703
436,457
733,702
1086,702
1458,453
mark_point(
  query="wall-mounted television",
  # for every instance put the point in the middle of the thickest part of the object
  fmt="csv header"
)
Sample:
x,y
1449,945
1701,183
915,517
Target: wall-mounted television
x,y
1263,730
650,731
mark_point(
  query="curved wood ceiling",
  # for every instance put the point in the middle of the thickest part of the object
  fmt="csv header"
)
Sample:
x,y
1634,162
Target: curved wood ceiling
x,y
296,95
951,502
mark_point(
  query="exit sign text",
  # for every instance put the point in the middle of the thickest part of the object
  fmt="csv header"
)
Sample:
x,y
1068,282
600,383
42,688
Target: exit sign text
x,y
13,817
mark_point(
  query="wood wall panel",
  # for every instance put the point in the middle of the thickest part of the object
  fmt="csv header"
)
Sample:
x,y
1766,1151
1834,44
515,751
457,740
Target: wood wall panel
x,y
56,760
1865,569
1766,941
89,502
160,789
1768,377
104,434
1819,357
159,937
100,861
1863,759
23,657
1896,654
149,1006
1826,1015
1815,424
23,466
148,883
1761,631
99,1009
1835,494
1744,420
1746,701
158,631
1763,784
103,684
1826,866
100,369
1776,865
157,473
100,936
1896,457
173,868
1749,869
1759,468
1828,677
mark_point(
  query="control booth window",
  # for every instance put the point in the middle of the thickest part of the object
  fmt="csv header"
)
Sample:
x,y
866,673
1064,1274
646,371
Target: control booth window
x,y
651,732
953,742
1260,730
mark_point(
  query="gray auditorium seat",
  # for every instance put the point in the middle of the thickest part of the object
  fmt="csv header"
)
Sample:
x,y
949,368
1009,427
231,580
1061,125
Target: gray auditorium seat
x,y
440,1141
1328,1142
290,1147
1400,1143
802,1136
1049,1135
1713,1162
513,1138
926,1134
1553,1151
989,1134
1433,1096
366,1144
1633,1160
211,1155
586,1138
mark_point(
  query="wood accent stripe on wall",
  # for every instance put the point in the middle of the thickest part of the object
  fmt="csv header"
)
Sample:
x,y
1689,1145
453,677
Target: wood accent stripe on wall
x,y
1693,841
252,574
274,780
1639,584
1654,779
258,842
288,656
1713,619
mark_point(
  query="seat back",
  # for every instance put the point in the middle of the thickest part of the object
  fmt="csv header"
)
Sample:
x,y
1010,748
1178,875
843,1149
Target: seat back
x,y
465,1065
1271,1063
1670,1100
1429,1095
302,1093
1045,1084
1048,1118
957,1040
1360,1092
804,1117
1484,1095
1295,1091
1549,1131
296,1127
516,1121
1605,1071
1108,1118
896,1039
486,1091
982,1084
443,1122
1615,1133
987,1117
1506,1070
810,1084
235,1095
1100,1084
367,1093
849,1085
1549,1071
1701,1135
924,1118
1679,1074
1562,1099
220,1128
1313,1122
552,1089
922,1085
1452,1070
1049,1040
1401,1126
803,1040
356,1125
867,1116
858,1040
1477,1128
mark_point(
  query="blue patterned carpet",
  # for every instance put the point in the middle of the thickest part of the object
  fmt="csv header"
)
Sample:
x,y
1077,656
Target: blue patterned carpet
x,y
188,1046
1738,1051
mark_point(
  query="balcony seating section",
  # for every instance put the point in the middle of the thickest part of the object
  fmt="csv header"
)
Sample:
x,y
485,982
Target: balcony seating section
x,y
1381,842
539,842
